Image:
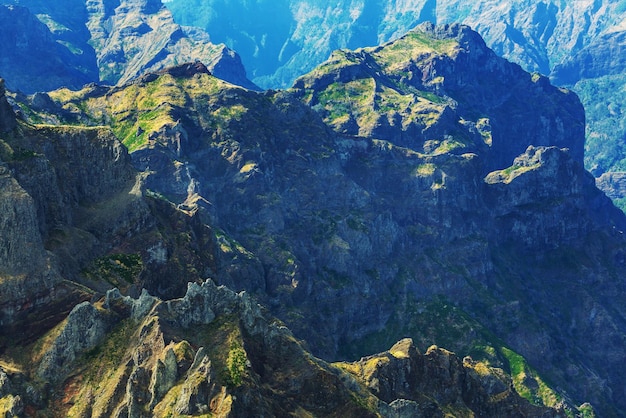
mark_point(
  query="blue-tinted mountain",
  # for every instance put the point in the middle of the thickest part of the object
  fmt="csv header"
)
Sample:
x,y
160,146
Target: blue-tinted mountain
x,y
52,44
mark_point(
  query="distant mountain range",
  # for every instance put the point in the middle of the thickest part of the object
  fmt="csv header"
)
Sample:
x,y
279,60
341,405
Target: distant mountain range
x,y
52,44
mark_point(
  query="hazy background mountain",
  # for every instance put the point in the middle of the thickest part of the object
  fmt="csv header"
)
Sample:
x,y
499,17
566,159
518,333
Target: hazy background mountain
x,y
579,44
52,44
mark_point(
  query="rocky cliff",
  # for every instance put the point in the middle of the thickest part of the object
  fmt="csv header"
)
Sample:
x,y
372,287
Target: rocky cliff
x,y
392,192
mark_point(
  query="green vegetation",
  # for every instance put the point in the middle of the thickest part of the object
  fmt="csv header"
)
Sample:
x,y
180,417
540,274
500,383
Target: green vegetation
x,y
411,47
527,381
118,269
448,145
108,355
224,343
366,101
138,110
586,411
425,170
235,365
510,173
21,154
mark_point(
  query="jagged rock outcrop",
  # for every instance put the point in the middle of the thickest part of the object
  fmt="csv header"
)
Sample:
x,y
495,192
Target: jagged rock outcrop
x,y
146,357
243,364
85,326
428,385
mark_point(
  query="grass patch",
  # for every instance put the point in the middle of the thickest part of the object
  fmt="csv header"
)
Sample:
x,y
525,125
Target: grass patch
x,y
108,355
235,365
527,381
425,170
507,175
118,269
412,46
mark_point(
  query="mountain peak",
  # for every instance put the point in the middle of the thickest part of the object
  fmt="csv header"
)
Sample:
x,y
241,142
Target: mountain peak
x,y
471,95
455,31
186,70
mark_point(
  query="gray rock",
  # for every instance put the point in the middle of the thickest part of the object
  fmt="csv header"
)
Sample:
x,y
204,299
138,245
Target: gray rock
x,y
83,329
7,116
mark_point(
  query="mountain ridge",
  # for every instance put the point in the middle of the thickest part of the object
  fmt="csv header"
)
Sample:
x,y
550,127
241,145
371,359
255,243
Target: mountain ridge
x,y
358,225
564,41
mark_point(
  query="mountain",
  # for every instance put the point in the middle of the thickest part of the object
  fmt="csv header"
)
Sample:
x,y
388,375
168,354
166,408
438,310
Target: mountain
x,y
72,43
279,44
578,45
77,220
30,50
414,189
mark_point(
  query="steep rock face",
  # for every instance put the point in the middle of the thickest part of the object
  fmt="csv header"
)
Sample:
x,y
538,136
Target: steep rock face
x,y
24,263
80,168
372,214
